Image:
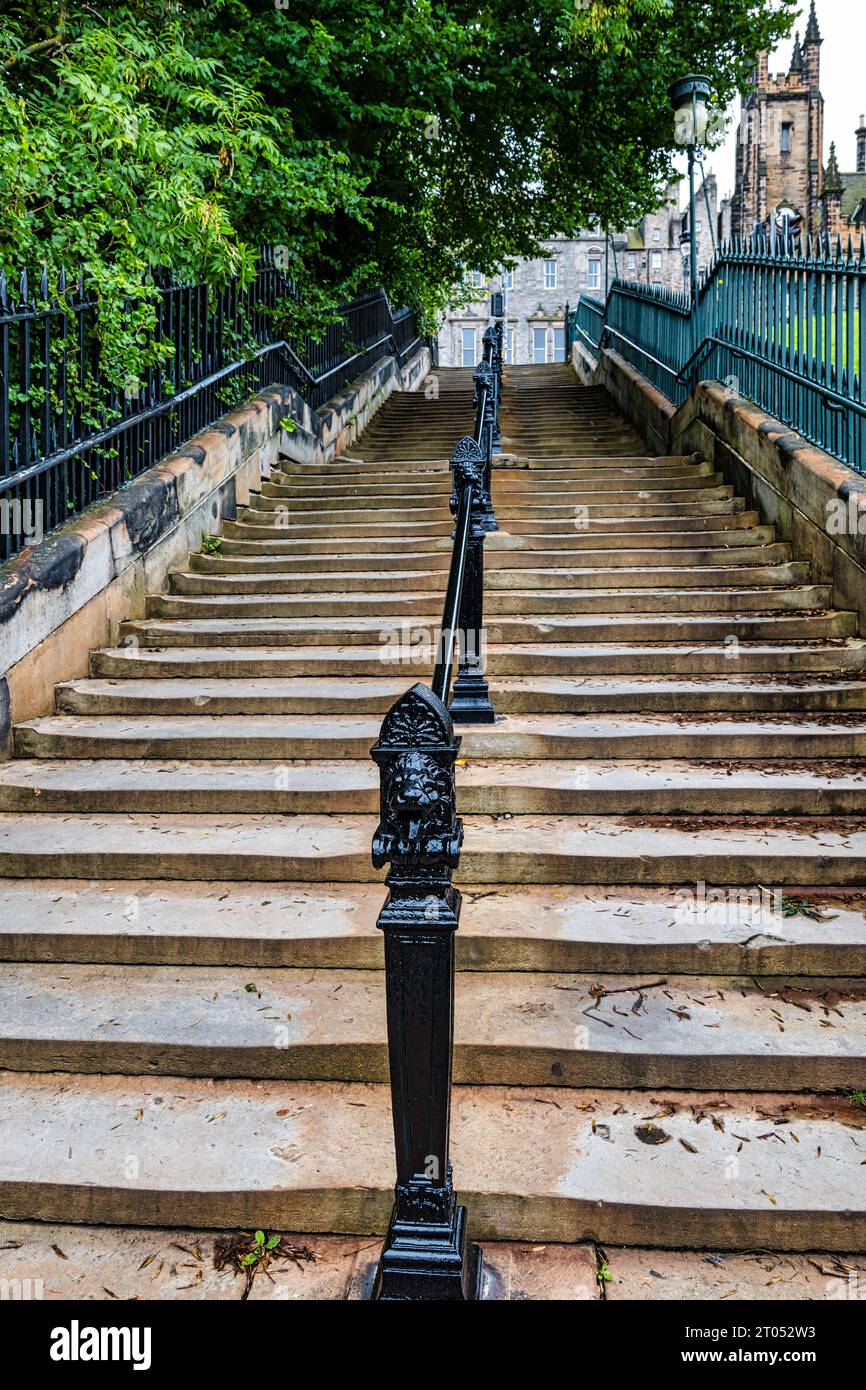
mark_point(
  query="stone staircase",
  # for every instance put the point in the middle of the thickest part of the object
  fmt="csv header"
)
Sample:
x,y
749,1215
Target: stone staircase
x,y
193,1026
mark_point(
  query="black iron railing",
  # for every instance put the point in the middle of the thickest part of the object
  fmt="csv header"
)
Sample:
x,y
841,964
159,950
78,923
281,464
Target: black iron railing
x,y
427,1254
70,436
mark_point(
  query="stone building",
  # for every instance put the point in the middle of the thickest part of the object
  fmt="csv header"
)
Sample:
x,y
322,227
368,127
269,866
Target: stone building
x,y
537,291
844,200
781,177
780,144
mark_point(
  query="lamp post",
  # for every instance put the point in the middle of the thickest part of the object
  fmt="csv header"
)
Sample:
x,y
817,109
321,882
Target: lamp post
x,y
689,100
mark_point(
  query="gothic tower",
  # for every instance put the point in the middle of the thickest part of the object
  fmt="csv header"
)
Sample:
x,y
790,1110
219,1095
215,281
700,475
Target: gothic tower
x,y
780,142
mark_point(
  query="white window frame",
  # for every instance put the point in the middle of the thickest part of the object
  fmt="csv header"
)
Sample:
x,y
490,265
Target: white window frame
x,y
550,273
631,260
508,279
536,360
657,236
463,335
558,343
509,346
593,273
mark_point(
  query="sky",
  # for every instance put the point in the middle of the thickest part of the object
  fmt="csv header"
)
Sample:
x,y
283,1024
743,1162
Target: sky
x,y
843,83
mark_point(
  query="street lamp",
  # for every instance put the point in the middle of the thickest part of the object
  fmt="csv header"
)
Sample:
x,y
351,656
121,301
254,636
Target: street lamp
x,y
689,100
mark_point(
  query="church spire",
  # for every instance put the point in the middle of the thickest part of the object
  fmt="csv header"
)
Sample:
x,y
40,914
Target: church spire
x,y
797,56
832,177
813,33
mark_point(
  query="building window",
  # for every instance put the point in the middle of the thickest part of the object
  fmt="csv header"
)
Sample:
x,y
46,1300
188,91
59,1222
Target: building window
x,y
593,276
509,345
559,344
787,133
469,354
539,345
631,260
550,275
508,279
656,262
476,279
700,227
657,236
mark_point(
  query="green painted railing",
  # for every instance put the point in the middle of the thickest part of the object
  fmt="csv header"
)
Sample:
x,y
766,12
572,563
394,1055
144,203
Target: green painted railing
x,y
784,329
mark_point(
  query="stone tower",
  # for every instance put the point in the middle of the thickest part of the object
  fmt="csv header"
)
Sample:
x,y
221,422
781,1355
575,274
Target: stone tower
x,y
780,142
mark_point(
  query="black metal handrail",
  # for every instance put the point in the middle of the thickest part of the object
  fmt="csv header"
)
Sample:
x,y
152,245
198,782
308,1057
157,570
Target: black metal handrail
x,y
68,437
427,1253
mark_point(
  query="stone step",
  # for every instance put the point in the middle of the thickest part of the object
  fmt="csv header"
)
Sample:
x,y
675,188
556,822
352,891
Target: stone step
x,y
130,1263
520,1029
525,849
657,592
320,483
318,1156
416,662
561,927
654,532
390,557
616,627
608,566
257,527
147,782
362,469
250,736
262,509
375,696
729,531
508,489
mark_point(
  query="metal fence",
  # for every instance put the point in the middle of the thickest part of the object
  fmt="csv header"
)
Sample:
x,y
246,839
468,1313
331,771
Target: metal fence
x,y
783,328
69,436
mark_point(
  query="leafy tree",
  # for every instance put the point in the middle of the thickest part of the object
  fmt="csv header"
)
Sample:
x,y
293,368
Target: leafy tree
x,y
382,141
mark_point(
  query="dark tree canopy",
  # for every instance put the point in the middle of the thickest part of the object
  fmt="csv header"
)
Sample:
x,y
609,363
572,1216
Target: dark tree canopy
x,y
382,141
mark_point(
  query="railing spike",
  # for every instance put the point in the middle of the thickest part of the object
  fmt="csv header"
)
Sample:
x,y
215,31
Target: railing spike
x,y
43,283
61,280
4,295
23,290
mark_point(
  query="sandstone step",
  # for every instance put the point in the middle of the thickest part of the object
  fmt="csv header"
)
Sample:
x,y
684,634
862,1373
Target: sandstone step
x,y
369,482
347,467
557,567
261,509
738,531
560,560
204,734
657,592
712,931
416,661
524,1029
600,532
258,526
314,497
525,849
350,786
314,1156
528,629
129,1263
375,696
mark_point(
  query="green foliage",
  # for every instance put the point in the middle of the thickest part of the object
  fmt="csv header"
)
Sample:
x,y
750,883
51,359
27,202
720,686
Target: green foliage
x,y
377,142
211,545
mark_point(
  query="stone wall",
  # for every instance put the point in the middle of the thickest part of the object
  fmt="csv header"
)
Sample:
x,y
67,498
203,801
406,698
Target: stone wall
x,y
70,593
815,502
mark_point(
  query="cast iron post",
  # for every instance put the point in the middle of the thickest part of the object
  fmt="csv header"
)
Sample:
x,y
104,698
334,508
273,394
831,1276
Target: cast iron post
x,y
470,701
426,1254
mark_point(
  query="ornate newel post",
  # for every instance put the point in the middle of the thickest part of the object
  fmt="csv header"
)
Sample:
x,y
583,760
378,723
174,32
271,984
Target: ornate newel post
x,y
426,1254
470,701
